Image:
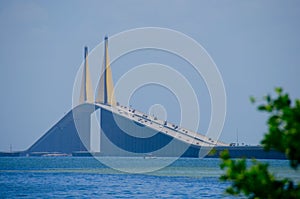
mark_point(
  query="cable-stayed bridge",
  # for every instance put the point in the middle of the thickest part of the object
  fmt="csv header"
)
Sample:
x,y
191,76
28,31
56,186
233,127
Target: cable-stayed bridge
x,y
124,131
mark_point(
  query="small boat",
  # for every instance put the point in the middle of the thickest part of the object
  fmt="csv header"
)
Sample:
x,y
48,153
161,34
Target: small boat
x,y
149,156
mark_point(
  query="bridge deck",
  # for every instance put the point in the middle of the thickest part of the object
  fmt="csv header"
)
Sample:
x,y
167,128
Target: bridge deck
x,y
179,133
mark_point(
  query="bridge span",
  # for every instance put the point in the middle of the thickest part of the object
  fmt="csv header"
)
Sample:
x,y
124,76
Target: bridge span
x,y
124,131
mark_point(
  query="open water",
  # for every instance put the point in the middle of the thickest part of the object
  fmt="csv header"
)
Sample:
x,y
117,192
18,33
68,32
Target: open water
x,y
85,177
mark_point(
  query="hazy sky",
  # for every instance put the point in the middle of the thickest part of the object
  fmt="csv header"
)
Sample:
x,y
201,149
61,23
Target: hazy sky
x,y
255,44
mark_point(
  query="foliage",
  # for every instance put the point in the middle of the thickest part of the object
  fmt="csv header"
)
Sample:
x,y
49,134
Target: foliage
x,y
255,181
284,126
283,134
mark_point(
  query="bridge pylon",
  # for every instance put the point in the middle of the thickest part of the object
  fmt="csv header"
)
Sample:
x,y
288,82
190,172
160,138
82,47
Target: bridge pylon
x,y
86,91
105,89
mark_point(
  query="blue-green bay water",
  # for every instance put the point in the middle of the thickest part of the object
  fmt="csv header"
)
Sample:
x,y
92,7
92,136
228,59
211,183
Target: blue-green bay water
x,y
85,177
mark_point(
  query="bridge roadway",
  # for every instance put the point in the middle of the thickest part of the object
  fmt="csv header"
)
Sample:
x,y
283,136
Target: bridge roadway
x,y
158,125
63,139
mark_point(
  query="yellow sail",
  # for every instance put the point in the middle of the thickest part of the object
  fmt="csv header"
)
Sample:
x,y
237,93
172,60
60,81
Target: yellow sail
x,y
105,92
86,91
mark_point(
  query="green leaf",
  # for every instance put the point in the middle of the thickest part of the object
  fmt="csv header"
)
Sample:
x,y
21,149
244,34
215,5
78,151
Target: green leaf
x,y
252,99
278,90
